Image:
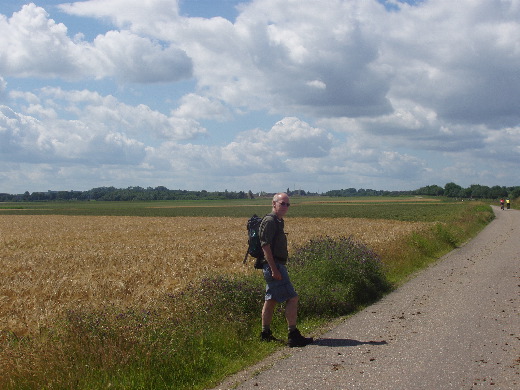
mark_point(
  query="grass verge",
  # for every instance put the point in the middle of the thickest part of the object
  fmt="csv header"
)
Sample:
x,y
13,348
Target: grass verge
x,y
418,250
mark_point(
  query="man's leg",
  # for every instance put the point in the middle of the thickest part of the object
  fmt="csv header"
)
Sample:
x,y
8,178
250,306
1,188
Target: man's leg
x,y
267,316
291,312
267,312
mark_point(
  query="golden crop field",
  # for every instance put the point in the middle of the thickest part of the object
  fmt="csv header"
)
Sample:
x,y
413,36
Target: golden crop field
x,y
49,264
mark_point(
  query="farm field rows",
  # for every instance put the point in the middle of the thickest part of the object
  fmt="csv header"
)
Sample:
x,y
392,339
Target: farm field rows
x,y
403,209
51,263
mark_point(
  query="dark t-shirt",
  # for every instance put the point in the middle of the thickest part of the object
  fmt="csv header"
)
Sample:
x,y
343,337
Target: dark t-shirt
x,y
271,232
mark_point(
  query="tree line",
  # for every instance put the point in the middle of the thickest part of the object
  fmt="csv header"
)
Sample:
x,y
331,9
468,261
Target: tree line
x,y
450,190
124,194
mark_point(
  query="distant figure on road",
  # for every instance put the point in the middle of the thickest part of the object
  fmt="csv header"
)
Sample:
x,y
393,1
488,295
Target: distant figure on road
x,y
502,203
508,203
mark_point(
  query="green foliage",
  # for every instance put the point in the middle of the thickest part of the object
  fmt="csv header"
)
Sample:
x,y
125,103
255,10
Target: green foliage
x,y
424,245
445,235
441,238
336,276
433,190
421,249
124,194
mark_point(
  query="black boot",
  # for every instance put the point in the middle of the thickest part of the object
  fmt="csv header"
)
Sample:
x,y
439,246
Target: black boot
x,y
297,340
267,336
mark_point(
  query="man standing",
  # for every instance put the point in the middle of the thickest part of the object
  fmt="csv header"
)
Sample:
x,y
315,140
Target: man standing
x,y
279,287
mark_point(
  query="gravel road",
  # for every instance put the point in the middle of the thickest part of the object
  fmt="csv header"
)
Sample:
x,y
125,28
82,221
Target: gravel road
x,y
456,325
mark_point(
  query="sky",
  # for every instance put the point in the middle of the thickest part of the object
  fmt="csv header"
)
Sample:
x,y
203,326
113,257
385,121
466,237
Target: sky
x,y
259,95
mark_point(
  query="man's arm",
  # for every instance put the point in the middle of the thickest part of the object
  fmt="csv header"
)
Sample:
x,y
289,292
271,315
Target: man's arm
x,y
268,254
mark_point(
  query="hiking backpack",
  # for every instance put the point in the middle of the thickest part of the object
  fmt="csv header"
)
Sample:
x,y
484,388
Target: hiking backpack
x,y
254,248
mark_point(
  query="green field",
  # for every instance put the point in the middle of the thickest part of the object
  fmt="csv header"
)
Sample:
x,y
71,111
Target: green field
x,y
402,209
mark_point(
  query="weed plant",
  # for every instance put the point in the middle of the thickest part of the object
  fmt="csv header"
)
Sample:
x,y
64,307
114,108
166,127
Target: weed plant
x,y
336,276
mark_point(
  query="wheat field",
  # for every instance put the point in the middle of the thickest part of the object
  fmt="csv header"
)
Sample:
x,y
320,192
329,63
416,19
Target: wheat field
x,y
49,264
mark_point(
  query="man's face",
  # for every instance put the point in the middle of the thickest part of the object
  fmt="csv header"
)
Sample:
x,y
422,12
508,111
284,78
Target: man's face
x,y
281,205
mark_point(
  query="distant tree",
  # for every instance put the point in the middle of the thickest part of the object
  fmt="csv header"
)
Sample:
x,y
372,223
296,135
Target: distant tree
x,y
497,192
479,191
137,193
432,190
453,190
514,192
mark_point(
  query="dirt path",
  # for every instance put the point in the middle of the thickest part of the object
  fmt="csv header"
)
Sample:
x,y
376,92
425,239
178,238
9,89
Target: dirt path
x,y
455,325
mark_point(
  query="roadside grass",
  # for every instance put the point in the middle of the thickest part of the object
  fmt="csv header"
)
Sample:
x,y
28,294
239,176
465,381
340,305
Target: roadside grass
x,y
403,259
194,337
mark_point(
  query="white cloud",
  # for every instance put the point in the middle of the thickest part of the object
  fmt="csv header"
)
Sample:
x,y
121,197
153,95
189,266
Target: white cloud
x,y
267,59
252,152
200,107
27,139
107,112
317,84
502,146
460,59
101,130
292,138
33,45
140,16
131,58
3,87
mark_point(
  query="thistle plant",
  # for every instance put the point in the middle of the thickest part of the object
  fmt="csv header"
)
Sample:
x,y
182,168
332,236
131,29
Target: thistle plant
x,y
335,276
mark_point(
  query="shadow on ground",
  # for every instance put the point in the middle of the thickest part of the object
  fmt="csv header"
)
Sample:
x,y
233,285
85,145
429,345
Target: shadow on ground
x,y
345,342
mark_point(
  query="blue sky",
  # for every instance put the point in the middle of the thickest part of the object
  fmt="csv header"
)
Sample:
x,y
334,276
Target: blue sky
x,y
258,95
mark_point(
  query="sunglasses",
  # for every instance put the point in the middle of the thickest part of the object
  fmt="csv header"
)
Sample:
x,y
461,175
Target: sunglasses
x,y
285,204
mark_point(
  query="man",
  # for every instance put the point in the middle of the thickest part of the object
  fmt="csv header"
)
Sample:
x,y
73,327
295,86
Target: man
x,y
279,287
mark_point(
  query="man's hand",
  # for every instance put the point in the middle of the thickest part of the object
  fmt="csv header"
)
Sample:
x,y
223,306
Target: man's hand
x,y
276,274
